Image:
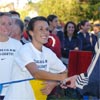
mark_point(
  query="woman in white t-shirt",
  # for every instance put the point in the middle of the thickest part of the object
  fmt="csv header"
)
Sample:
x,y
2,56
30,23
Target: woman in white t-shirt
x,y
8,48
35,60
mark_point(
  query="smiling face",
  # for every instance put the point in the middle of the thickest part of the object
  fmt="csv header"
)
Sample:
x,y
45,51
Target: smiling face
x,y
5,25
70,29
96,30
40,33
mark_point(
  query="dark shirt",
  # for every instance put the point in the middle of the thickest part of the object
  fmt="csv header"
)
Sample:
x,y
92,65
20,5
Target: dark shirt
x,y
60,35
88,42
70,45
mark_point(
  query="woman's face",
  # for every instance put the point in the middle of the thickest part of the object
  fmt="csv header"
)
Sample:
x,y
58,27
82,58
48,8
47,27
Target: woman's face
x,y
5,25
96,30
40,33
70,29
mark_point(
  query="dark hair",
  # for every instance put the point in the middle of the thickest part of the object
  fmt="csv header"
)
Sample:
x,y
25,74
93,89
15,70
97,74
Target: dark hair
x,y
66,25
51,17
32,23
14,12
20,24
5,13
83,22
78,26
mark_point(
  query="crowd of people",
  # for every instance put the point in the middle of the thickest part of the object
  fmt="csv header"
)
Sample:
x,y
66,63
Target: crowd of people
x,y
39,48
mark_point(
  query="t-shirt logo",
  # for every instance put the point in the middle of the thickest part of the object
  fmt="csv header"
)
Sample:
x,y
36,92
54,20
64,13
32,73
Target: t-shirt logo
x,y
3,58
42,64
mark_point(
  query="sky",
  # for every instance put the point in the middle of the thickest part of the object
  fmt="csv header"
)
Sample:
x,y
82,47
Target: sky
x,y
21,3
19,0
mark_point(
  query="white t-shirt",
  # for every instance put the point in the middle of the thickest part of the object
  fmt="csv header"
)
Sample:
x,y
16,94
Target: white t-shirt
x,y
46,60
7,52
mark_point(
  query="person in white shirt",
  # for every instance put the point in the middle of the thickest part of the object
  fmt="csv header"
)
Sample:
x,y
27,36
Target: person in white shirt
x,y
35,60
8,48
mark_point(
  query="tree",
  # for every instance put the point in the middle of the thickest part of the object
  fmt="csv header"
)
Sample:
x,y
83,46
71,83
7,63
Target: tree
x,y
29,7
93,2
64,9
74,10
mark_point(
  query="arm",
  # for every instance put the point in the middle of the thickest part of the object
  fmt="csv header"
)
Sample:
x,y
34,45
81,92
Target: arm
x,y
44,75
82,84
69,82
48,87
75,81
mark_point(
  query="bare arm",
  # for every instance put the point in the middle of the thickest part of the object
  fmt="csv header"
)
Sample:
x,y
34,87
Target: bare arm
x,y
44,75
48,87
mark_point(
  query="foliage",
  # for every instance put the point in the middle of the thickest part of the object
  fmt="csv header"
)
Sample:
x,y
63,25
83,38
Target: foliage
x,y
23,13
66,10
70,9
94,1
93,12
29,7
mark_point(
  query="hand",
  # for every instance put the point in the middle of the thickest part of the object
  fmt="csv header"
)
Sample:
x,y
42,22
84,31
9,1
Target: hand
x,y
69,82
48,87
76,48
76,81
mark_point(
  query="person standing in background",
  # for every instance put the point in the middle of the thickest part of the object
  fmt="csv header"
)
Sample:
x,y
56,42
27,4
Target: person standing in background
x,y
96,31
17,30
25,37
71,41
88,40
54,42
53,27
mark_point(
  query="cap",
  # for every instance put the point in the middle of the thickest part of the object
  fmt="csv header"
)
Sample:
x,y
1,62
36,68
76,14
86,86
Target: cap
x,y
27,18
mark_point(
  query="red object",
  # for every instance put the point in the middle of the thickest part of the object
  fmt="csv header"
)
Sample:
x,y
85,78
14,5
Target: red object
x,y
54,44
79,61
25,35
